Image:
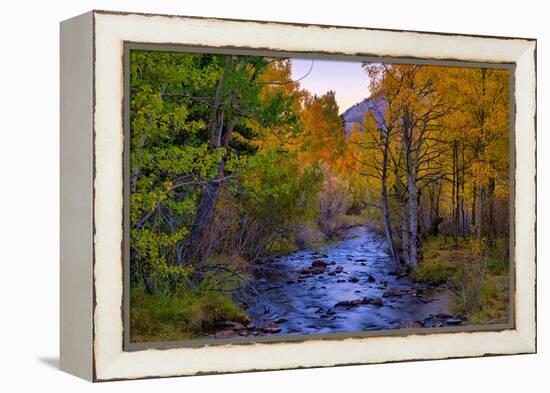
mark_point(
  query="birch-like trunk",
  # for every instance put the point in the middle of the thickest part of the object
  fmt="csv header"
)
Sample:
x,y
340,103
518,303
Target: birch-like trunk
x,y
404,231
413,218
412,189
385,205
480,211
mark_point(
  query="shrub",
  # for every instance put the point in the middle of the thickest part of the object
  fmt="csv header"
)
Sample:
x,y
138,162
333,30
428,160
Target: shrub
x,y
282,246
334,200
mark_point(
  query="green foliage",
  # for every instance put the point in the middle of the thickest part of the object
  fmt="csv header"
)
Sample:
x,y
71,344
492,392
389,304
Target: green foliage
x,y
283,245
154,318
169,154
497,266
434,272
272,181
174,156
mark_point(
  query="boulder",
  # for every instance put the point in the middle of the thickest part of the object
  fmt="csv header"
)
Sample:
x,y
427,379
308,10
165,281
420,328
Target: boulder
x,y
371,279
353,279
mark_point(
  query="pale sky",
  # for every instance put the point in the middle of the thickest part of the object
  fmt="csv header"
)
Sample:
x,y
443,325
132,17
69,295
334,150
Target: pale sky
x,y
346,78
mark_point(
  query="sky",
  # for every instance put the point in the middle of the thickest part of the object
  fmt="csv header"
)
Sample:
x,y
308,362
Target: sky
x,y
346,78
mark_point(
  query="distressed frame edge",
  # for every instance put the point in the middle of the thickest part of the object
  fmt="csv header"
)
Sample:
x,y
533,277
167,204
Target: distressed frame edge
x,y
76,196
528,339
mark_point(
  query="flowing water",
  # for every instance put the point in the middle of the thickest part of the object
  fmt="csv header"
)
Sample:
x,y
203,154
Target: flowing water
x,y
358,267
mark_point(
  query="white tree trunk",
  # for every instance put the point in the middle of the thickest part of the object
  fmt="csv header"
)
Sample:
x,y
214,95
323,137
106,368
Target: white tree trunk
x,y
404,231
413,218
385,205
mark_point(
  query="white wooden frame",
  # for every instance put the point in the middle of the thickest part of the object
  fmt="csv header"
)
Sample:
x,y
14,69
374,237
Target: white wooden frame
x,y
92,89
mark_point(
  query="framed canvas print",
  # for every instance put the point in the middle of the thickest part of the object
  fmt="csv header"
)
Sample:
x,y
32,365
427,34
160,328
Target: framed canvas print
x,y
245,195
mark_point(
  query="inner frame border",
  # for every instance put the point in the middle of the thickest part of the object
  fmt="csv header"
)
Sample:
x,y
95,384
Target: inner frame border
x,y
128,46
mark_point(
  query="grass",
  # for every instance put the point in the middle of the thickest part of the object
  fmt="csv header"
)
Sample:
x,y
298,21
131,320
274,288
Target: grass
x,y
434,272
444,261
494,301
154,318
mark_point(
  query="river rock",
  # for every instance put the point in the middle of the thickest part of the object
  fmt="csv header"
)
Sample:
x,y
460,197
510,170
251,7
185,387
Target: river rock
x,y
339,269
228,333
353,279
363,264
453,322
383,281
331,273
231,324
280,320
349,303
271,327
361,260
313,270
394,293
371,279
319,263
412,325
373,301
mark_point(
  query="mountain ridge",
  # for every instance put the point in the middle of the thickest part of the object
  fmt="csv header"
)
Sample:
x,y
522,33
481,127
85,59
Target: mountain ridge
x,y
356,113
